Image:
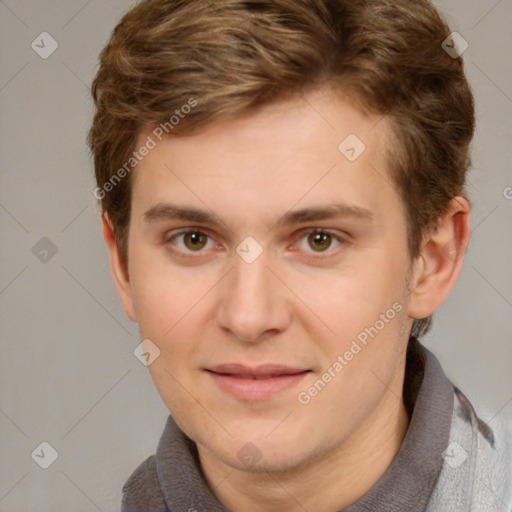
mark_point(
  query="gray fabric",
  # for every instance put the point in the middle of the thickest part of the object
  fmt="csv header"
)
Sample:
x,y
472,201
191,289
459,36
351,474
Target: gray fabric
x,y
483,481
417,480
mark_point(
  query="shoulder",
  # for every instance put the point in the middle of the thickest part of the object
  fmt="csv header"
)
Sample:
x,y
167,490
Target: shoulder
x,y
477,463
141,492
492,472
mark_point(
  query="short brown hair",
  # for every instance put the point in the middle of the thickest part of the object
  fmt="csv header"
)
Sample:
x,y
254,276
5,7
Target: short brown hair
x,y
230,56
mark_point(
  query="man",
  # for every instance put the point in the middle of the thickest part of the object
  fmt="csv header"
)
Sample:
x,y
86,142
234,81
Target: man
x,y
282,186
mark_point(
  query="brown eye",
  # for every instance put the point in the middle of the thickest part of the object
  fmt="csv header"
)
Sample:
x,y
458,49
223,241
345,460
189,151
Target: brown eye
x,y
195,240
319,241
188,242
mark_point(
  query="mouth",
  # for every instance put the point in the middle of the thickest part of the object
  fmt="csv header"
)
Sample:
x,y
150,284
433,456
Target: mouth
x,y
255,383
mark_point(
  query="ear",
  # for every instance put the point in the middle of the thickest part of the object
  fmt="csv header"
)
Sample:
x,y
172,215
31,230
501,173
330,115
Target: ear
x,y
437,267
118,269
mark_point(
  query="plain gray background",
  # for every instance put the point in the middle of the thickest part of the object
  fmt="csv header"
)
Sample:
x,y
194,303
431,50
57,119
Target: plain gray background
x,y
68,373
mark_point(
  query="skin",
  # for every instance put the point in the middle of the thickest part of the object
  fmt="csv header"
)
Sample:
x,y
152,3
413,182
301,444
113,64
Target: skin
x,y
298,304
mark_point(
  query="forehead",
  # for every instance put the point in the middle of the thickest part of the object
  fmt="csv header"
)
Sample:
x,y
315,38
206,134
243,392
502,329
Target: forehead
x,y
311,150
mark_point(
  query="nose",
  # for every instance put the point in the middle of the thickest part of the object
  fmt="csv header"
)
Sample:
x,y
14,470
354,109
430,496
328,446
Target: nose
x,y
254,304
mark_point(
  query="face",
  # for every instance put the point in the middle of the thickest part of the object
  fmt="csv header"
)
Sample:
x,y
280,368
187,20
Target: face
x,y
270,270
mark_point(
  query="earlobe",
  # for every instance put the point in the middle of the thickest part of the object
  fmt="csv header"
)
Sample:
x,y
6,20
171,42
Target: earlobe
x,y
119,269
438,265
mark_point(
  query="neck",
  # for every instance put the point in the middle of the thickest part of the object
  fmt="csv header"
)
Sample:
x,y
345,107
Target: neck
x,y
328,483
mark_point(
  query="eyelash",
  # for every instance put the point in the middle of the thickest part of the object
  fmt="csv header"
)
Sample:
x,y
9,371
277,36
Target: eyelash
x,y
300,236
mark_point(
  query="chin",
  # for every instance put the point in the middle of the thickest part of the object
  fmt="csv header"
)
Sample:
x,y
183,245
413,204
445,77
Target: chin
x,y
250,459
257,452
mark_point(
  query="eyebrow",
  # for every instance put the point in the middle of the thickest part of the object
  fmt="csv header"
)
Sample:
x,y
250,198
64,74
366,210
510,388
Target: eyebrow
x,y
166,211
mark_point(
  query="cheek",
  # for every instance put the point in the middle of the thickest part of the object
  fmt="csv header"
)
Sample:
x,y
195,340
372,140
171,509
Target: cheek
x,y
361,363
178,338
164,295
357,297
367,312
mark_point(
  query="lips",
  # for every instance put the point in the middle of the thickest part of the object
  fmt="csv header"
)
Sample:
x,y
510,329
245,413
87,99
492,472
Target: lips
x,y
255,383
